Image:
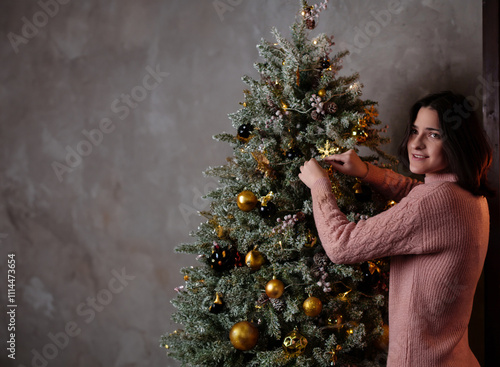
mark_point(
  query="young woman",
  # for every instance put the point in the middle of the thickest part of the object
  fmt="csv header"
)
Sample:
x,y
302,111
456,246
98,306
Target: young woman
x,y
436,236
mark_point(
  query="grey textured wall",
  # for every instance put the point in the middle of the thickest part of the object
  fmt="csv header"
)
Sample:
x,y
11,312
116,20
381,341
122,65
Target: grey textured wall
x,y
107,112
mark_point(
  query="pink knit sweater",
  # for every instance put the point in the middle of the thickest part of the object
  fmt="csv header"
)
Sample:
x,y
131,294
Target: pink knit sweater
x,y
437,236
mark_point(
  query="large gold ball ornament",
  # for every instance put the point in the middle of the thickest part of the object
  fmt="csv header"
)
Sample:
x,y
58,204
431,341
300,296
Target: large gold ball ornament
x,y
322,92
254,259
294,344
312,306
247,200
243,335
275,288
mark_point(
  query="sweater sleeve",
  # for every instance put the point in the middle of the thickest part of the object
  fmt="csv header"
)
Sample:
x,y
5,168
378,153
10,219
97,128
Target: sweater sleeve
x,y
391,185
396,231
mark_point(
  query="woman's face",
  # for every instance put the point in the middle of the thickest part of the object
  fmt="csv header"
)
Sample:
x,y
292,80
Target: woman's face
x,y
425,144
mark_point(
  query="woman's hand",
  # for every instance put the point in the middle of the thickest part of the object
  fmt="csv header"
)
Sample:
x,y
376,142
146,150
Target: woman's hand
x,y
311,171
348,163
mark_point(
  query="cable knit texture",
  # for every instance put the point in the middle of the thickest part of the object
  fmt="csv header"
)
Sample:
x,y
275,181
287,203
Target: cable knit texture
x,y
437,237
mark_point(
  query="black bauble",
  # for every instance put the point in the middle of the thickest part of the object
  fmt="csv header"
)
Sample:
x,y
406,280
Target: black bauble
x,y
268,210
370,280
293,153
221,259
244,131
325,63
364,194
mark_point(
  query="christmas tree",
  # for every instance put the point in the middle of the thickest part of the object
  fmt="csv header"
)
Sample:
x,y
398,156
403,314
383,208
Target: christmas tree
x,y
265,293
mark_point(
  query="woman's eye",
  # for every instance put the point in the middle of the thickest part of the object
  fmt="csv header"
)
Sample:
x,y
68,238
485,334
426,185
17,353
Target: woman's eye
x,y
413,131
435,135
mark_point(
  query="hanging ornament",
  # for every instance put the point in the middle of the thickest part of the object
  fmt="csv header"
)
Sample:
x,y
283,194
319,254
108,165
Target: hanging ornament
x,y
246,200
222,258
362,193
217,306
263,164
238,259
267,208
307,15
244,335
390,204
328,150
370,115
221,232
293,153
330,107
312,306
324,63
359,134
278,304
333,354
311,240
254,259
261,301
322,92
336,321
317,116
294,344
371,277
275,288
244,132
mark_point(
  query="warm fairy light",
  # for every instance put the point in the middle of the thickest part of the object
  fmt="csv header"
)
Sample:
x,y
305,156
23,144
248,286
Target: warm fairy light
x,y
315,41
284,106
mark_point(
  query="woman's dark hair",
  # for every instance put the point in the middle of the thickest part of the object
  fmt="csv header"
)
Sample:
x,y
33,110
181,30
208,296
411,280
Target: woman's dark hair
x,y
465,145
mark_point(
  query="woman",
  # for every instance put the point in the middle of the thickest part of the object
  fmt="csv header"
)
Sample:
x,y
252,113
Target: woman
x,y
437,235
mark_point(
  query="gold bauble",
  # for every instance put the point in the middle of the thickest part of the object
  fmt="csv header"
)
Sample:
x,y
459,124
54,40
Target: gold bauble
x,y
322,92
243,335
294,344
275,288
312,306
254,260
247,200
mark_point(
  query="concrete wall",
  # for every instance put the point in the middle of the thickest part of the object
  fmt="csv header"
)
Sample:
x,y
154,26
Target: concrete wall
x,y
107,112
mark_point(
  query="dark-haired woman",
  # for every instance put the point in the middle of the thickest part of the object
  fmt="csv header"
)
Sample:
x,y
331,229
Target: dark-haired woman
x,y
436,236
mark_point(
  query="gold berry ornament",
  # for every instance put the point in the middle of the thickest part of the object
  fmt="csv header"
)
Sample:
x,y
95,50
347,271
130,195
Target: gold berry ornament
x,y
243,335
294,344
247,200
254,259
275,288
322,92
312,306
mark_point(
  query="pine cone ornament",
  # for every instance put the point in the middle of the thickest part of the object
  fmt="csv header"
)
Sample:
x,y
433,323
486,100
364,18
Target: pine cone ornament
x,y
310,23
320,259
278,304
330,107
262,300
316,116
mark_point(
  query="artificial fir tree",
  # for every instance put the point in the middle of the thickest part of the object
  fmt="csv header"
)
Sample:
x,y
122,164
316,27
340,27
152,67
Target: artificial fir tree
x,y
265,293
